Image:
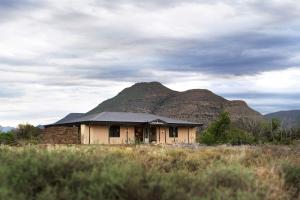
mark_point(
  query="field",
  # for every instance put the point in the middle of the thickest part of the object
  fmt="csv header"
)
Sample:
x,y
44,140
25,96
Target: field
x,y
149,172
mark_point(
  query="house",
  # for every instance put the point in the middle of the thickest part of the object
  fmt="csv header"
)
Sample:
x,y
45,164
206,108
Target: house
x,y
120,128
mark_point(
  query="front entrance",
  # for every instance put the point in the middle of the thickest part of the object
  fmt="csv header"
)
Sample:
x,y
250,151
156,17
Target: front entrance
x,y
153,136
138,133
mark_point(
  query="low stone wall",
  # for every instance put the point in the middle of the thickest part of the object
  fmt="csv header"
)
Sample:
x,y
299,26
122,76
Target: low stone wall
x,y
61,135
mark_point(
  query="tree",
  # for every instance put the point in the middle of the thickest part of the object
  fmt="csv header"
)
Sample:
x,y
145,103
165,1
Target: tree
x,y
27,131
222,131
216,132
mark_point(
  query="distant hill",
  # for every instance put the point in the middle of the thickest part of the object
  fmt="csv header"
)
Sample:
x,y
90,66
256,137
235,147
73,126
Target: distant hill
x,y
197,105
290,118
6,129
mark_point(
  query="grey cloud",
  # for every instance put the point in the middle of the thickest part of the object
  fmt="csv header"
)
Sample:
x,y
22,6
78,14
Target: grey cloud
x,y
87,50
238,54
14,9
255,95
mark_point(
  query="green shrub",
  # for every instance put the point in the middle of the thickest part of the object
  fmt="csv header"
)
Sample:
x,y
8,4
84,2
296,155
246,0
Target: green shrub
x,y
223,132
135,172
27,131
207,138
216,132
230,182
291,174
8,138
238,137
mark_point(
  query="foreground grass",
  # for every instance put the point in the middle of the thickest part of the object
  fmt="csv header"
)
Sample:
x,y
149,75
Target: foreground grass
x,y
148,172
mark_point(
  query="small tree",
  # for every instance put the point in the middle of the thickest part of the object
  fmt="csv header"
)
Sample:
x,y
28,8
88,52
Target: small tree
x,y
223,132
216,132
8,138
27,131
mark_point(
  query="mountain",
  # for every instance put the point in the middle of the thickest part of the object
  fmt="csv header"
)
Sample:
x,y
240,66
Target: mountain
x,y
197,105
40,126
141,97
6,129
290,118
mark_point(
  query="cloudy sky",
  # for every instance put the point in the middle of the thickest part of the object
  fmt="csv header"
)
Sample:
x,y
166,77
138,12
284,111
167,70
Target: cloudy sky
x,y
67,56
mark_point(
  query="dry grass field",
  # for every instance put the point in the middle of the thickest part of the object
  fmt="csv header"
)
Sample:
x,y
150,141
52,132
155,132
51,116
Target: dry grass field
x,y
150,172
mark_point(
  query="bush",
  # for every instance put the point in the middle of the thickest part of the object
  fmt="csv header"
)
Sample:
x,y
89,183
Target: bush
x,y
28,131
238,137
107,173
216,132
8,138
223,132
230,182
291,174
207,138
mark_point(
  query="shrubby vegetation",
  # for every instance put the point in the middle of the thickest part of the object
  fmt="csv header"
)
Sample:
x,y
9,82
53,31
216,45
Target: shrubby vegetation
x,y
23,134
148,172
292,177
223,131
7,138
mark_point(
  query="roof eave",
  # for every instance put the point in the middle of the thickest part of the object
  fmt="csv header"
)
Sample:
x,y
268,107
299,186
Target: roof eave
x,y
121,122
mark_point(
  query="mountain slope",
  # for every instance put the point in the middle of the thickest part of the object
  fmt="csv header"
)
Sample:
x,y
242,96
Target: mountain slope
x,y
141,97
6,129
198,105
290,118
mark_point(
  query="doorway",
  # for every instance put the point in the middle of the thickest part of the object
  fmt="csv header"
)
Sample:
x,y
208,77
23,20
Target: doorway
x,y
153,135
138,133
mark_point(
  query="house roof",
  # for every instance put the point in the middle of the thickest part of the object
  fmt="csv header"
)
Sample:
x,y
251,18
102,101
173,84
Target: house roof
x,y
121,117
70,117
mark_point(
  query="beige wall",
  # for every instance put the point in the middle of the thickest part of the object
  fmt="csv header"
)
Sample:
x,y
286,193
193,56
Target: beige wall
x,y
185,135
126,133
98,134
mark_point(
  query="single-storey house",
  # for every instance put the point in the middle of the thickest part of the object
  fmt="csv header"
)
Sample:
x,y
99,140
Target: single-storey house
x,y
120,128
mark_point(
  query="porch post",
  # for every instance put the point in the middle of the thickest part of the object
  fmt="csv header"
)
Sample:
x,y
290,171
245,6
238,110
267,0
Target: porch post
x,y
143,135
108,134
149,134
173,129
89,134
79,134
127,135
165,136
159,134
188,135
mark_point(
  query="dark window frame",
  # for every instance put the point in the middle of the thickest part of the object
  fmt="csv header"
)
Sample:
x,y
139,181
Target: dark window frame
x,y
114,131
173,132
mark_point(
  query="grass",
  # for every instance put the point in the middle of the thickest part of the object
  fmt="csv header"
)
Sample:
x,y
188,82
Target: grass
x,y
149,172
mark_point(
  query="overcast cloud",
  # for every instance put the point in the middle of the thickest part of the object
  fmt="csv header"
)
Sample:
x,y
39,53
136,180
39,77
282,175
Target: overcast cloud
x,y
67,56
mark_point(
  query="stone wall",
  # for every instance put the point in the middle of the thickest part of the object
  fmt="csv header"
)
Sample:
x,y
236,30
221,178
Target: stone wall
x,y
61,135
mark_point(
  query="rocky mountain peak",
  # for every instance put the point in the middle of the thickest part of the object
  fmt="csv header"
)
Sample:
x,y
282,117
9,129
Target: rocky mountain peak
x,y
197,105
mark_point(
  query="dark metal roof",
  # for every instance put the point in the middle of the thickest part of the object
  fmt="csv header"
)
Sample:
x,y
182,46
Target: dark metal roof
x,y
120,117
70,117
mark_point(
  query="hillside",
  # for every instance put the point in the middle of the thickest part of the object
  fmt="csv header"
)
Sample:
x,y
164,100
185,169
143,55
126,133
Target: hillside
x,y
197,105
290,118
6,129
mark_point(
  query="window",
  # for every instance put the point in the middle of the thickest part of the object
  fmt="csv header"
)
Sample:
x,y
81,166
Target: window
x,y
173,132
114,131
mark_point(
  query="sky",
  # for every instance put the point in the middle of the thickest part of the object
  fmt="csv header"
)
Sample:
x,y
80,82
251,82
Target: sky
x,y
58,57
